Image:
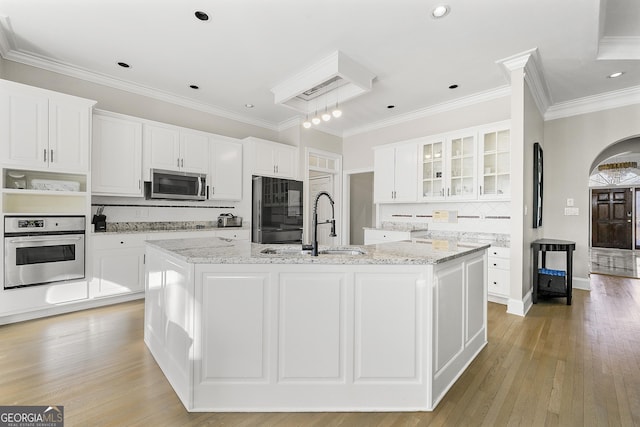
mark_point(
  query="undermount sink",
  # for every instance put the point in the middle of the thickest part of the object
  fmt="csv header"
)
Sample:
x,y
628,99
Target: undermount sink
x,y
285,251
350,251
298,251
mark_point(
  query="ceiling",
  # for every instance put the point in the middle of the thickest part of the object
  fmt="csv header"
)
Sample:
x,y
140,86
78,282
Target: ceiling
x,y
248,47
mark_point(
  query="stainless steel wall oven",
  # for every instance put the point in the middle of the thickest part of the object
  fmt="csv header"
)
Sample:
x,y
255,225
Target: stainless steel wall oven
x,y
43,249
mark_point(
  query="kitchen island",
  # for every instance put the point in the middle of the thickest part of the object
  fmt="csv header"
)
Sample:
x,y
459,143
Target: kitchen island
x,y
239,326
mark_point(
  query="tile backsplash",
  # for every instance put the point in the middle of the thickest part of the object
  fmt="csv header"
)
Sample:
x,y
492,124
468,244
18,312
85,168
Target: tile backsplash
x,y
489,217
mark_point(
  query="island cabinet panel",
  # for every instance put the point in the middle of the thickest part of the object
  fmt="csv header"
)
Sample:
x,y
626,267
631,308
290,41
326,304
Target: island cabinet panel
x,y
169,314
448,316
386,326
299,335
234,345
311,327
460,319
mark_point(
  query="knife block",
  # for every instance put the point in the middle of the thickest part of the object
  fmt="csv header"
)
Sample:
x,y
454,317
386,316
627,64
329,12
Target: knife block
x,y
99,222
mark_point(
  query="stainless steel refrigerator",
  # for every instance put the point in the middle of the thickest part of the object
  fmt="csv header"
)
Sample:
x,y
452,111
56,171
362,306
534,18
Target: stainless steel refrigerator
x,y
277,210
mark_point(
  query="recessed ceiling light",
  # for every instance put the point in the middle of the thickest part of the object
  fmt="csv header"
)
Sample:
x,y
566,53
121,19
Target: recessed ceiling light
x,y
249,105
123,64
391,106
194,86
614,75
201,15
440,11
454,86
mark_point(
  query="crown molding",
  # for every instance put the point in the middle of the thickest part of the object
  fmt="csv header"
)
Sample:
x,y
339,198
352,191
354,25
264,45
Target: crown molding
x,y
8,53
611,48
529,60
592,104
477,98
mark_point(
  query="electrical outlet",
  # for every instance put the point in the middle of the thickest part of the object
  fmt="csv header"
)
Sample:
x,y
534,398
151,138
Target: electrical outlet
x,y
570,202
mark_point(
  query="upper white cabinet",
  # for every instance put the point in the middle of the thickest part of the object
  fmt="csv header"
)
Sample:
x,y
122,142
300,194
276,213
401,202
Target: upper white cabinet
x,y
495,165
225,169
433,169
395,173
462,163
173,148
273,159
116,156
448,167
41,129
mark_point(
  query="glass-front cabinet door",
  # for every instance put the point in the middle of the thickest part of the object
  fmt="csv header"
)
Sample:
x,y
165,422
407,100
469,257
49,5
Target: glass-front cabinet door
x,y
462,167
433,178
495,167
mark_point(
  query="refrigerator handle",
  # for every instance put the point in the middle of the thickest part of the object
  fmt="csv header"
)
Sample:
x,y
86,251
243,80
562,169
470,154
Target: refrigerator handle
x,y
259,214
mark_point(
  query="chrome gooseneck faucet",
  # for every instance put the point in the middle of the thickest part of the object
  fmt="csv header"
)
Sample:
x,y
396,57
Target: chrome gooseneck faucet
x,y
332,221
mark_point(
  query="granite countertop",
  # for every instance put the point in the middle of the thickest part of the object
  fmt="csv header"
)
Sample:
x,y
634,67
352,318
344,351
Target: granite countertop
x,y
400,226
226,251
165,227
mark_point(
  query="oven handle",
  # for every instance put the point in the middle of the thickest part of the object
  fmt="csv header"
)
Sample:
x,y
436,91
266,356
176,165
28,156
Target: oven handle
x,y
43,239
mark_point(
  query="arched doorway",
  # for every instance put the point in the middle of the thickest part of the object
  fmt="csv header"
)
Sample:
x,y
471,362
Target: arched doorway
x,y
614,184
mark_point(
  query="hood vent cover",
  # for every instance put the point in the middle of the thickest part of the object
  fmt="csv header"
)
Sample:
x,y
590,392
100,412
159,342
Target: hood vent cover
x,y
334,80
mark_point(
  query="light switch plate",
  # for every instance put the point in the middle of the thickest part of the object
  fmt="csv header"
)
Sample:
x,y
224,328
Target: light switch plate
x,y
571,211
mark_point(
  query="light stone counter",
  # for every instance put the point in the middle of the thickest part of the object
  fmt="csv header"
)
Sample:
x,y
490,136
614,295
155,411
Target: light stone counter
x,y
166,226
225,251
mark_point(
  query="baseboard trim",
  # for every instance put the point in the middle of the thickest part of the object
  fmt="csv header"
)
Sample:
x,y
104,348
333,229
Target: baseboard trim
x,y
69,308
520,307
581,283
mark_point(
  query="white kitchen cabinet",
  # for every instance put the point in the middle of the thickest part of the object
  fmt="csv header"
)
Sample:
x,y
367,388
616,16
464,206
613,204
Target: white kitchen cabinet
x,y
41,129
494,165
395,174
462,166
173,148
498,274
225,176
374,236
433,169
118,264
116,156
270,158
448,167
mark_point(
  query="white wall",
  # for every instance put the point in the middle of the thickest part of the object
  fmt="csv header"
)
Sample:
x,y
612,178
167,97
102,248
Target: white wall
x,y
571,145
533,132
357,149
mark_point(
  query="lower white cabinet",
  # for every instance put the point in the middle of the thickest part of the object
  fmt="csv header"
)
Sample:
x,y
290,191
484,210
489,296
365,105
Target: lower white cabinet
x,y
118,259
118,264
374,236
498,274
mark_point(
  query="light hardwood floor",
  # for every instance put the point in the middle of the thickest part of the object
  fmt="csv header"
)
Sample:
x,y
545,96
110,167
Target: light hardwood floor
x,y
562,365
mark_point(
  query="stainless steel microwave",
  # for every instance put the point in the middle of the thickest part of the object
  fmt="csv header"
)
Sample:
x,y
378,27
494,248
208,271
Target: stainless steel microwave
x,y
166,184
